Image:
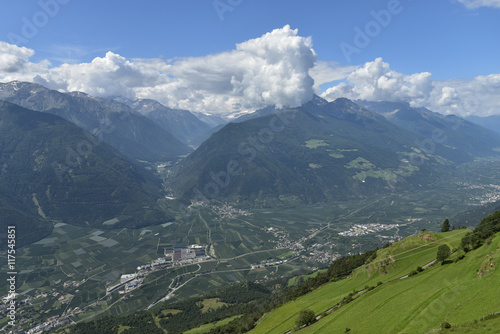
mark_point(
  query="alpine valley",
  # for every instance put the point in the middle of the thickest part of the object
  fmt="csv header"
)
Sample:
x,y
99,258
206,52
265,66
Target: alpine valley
x,y
133,217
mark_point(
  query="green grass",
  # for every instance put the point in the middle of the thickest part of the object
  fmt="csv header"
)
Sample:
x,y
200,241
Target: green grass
x,y
315,143
121,329
336,155
294,280
453,293
376,174
211,304
207,327
314,166
170,311
483,326
390,264
285,255
360,163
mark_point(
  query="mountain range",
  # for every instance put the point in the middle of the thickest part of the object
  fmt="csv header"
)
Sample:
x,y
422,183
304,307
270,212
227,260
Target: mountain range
x,y
324,150
53,171
181,123
450,130
131,133
93,162
313,153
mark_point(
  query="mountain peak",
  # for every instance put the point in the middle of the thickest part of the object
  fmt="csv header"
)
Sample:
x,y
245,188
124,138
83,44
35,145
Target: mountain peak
x,y
319,101
15,86
80,94
136,136
122,99
345,102
145,106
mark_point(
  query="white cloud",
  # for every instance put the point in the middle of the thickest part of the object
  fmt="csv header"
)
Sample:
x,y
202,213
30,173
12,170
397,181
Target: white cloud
x,y
13,58
275,69
15,64
478,96
269,70
473,4
272,69
375,81
108,76
448,96
328,71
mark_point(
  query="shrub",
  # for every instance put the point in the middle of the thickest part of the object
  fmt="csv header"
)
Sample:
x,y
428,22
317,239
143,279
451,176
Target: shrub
x,y
443,253
445,325
305,317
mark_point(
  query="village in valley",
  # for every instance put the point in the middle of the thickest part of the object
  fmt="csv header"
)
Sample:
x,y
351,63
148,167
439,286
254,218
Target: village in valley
x,y
359,230
491,195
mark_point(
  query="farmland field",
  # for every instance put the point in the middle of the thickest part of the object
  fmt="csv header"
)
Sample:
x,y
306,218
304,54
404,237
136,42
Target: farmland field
x,y
258,246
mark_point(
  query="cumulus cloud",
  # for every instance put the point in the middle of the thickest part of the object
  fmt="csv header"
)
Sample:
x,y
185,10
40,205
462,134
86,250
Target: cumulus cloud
x,y
478,96
448,96
278,68
15,64
270,70
473,4
375,81
13,58
108,76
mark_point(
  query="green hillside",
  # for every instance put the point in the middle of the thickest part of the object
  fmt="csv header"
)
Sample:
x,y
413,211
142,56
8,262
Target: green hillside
x,y
51,170
457,292
312,153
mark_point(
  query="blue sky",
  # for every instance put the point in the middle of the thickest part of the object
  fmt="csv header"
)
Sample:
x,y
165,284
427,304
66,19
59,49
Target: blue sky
x,y
451,39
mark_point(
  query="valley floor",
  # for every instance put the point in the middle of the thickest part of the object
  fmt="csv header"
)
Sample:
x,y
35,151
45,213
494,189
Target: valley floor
x,y
65,276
